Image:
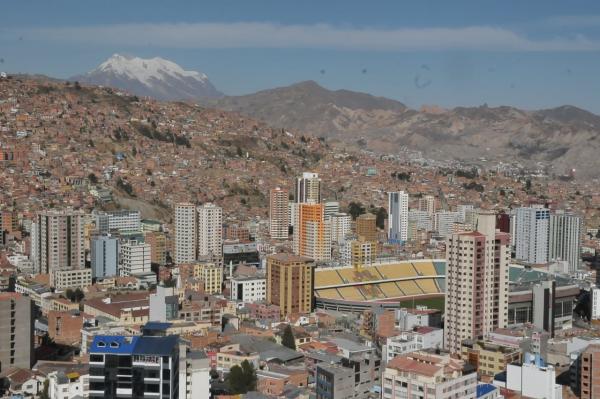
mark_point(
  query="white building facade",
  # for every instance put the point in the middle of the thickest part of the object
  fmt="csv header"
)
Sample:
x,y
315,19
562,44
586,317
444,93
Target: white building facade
x,y
210,230
135,258
398,216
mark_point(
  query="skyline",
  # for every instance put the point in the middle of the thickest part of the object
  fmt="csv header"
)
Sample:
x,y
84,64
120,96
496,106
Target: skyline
x,y
531,56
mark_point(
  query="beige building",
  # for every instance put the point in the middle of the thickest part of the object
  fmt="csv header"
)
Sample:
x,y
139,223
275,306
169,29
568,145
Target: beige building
x,y
64,279
476,282
363,253
58,240
308,188
230,355
489,358
427,204
185,233
210,231
212,275
428,375
290,283
279,213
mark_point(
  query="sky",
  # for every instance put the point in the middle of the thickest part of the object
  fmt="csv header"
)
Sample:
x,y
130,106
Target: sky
x,y
531,54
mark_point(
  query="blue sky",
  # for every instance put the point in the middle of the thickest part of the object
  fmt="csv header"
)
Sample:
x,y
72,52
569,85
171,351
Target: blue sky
x,y
531,54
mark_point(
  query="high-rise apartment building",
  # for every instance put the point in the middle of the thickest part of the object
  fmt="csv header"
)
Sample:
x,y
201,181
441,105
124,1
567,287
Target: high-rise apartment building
x,y
279,213
398,216
422,220
290,283
531,233
330,208
9,221
308,188
312,233
564,242
16,331
210,231
443,222
134,367
135,258
341,226
427,204
158,246
58,240
185,233
104,256
366,227
476,282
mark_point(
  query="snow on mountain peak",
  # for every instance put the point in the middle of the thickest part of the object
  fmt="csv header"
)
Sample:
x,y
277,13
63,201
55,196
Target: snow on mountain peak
x,y
147,70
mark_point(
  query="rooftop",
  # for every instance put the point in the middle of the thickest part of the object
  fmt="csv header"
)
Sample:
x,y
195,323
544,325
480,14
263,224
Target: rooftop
x,y
144,345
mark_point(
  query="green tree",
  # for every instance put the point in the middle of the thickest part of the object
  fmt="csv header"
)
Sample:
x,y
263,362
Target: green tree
x,y
288,339
70,294
92,178
242,379
78,295
380,216
355,209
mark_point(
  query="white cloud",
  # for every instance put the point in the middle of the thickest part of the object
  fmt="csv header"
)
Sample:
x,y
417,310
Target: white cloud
x,y
322,36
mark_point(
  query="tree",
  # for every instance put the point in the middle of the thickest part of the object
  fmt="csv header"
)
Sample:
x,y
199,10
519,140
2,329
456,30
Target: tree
x,y
214,374
78,295
92,178
355,209
381,215
288,339
70,294
242,379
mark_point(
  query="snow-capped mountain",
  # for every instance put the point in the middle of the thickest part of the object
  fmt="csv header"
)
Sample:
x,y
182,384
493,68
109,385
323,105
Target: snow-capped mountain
x,y
154,77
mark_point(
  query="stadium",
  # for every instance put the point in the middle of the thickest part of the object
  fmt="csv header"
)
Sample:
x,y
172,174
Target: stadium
x,y
387,285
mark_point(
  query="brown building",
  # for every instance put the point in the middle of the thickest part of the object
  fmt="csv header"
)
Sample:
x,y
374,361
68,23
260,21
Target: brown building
x,y
366,227
290,283
279,214
590,372
65,327
158,247
236,232
16,331
274,380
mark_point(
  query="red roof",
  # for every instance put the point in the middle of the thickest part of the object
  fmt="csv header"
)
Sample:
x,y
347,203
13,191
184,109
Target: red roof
x,y
403,363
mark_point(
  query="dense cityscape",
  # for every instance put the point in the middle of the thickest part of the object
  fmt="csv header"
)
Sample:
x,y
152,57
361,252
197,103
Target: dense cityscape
x,y
161,239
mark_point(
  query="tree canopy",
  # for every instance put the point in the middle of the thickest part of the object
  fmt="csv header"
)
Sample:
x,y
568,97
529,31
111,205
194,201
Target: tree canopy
x,y
242,378
288,339
355,209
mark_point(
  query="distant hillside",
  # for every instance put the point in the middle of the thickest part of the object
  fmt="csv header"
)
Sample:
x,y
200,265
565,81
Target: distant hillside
x,y
563,138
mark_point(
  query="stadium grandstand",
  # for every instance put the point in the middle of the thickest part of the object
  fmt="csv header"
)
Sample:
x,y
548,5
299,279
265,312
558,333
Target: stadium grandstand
x,y
386,284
